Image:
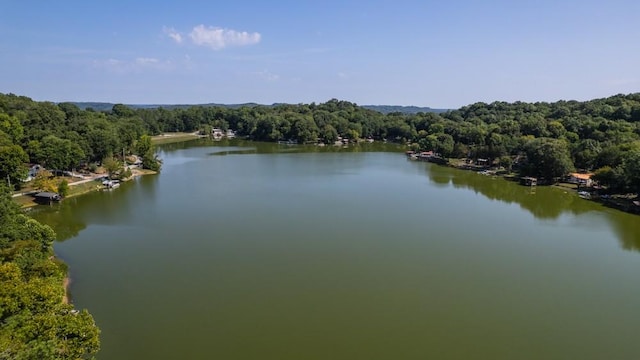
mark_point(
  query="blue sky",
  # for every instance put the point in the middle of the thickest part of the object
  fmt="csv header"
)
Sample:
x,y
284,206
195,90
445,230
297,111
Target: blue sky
x,y
442,54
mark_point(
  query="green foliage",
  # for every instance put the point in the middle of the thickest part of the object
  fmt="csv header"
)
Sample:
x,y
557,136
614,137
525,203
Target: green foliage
x,y
151,161
44,181
63,188
12,164
113,166
35,323
506,162
11,126
144,145
548,158
145,148
610,177
57,154
631,170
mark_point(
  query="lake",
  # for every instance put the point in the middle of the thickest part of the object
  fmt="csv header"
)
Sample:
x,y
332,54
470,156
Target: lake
x,y
263,251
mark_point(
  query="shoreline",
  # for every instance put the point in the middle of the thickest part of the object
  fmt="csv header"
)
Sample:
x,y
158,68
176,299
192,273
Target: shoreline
x,y
135,174
621,202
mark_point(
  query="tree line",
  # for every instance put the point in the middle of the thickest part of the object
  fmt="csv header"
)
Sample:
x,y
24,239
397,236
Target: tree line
x,y
546,140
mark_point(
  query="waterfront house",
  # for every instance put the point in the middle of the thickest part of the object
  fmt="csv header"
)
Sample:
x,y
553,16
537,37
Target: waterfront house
x,y
426,155
580,179
33,171
217,133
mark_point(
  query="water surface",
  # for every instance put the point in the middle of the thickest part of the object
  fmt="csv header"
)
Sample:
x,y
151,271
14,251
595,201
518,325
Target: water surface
x,y
263,251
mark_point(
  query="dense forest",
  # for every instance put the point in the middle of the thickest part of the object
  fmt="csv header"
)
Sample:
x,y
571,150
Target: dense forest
x,y
35,322
546,140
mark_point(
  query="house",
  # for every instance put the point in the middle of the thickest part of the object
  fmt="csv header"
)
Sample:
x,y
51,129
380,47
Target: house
x,y
426,155
33,171
580,179
217,133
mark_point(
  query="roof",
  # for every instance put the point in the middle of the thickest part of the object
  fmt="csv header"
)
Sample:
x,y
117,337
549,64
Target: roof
x,y
581,176
46,194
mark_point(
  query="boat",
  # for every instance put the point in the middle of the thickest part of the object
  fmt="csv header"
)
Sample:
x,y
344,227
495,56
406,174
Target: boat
x,y
111,184
584,194
46,197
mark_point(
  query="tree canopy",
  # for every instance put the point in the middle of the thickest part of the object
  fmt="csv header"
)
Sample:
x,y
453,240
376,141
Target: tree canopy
x,y
35,322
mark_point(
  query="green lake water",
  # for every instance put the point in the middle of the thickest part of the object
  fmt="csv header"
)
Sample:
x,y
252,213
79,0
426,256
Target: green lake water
x,y
265,251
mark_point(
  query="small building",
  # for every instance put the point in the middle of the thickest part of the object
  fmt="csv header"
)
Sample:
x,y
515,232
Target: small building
x,y
529,181
581,179
482,162
426,155
33,172
46,197
217,133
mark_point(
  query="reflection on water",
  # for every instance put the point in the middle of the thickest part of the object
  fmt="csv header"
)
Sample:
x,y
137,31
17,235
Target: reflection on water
x,y
627,228
543,202
69,217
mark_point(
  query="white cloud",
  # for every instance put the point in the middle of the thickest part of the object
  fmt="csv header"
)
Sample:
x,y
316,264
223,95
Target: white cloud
x,y
219,38
146,61
113,62
267,75
135,65
173,34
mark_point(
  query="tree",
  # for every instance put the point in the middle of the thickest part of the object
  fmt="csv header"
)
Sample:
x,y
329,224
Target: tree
x,y
145,148
610,177
151,161
506,162
631,170
63,188
11,126
44,181
113,167
58,154
329,134
144,145
548,158
12,164
444,145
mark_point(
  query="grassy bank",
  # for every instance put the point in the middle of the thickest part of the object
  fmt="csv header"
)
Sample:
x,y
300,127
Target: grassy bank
x,y
168,138
79,188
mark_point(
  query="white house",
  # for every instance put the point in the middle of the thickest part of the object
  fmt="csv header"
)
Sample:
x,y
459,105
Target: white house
x,y
33,171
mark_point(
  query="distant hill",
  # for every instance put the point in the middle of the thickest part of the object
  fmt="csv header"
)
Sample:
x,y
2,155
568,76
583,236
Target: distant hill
x,y
385,109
